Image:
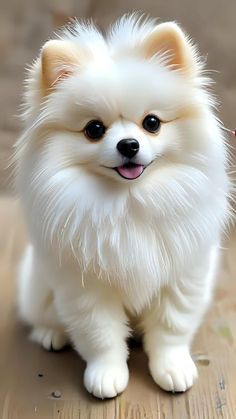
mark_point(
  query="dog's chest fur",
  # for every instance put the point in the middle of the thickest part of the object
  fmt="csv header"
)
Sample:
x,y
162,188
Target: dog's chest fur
x,y
138,252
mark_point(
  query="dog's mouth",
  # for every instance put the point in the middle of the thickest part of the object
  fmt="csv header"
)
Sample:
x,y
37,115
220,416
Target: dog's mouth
x,y
130,170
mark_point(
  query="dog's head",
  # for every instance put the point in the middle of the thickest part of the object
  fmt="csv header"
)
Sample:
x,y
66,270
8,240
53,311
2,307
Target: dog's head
x,y
118,106
120,132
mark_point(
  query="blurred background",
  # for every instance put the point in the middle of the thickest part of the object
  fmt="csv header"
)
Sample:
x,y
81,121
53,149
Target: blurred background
x,y
26,24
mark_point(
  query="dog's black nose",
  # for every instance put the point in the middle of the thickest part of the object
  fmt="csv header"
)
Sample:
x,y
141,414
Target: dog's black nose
x,y
128,147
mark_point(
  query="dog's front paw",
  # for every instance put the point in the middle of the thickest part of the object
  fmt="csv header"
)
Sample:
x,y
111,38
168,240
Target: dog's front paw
x,y
173,369
106,379
51,339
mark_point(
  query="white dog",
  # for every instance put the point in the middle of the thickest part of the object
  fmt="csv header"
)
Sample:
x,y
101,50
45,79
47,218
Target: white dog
x,y
122,175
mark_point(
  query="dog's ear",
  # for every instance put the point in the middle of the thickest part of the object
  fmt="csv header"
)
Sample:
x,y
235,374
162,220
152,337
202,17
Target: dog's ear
x,y
58,60
169,40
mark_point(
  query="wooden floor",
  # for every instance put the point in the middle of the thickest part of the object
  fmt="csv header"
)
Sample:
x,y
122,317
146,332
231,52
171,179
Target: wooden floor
x,y
30,378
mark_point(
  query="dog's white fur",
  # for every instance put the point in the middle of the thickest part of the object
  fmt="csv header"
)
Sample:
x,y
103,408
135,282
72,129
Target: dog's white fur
x,y
104,248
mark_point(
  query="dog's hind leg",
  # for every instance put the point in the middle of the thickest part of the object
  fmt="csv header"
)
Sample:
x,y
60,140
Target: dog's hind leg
x,y
36,303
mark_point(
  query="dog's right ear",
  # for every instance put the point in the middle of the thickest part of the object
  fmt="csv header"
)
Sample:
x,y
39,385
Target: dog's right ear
x,y
58,60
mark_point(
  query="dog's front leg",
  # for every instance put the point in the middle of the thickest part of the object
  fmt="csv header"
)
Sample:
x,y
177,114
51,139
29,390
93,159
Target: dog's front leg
x,y
171,323
98,329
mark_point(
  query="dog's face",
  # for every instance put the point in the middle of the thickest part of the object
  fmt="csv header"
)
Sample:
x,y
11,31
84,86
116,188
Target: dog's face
x,y
119,112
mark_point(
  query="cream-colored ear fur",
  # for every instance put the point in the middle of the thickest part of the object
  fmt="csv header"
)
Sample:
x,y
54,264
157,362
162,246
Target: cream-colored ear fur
x,y
167,38
58,60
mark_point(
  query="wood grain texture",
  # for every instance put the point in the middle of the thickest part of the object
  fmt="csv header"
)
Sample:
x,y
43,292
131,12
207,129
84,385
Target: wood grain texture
x,y
29,375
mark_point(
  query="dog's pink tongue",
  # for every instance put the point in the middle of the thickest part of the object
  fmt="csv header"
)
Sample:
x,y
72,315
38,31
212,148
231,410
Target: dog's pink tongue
x,y
131,172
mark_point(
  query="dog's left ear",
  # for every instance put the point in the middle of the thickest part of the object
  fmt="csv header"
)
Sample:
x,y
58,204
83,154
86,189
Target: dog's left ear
x,y
168,39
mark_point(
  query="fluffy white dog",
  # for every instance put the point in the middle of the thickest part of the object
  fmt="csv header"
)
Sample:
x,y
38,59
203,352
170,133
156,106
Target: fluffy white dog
x,y
122,175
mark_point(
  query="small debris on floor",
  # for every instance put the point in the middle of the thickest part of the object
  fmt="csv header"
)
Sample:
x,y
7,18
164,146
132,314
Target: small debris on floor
x,y
222,384
201,359
56,394
220,405
40,375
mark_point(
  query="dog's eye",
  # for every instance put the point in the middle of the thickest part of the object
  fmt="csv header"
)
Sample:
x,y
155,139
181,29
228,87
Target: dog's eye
x,y
151,123
94,130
